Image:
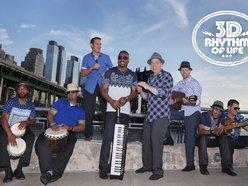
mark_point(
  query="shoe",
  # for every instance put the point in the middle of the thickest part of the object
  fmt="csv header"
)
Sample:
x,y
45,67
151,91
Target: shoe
x,y
8,178
204,170
168,141
45,178
188,168
229,171
155,177
103,175
142,170
88,138
18,174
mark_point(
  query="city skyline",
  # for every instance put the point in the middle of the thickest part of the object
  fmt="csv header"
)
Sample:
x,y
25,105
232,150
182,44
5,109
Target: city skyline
x,y
140,27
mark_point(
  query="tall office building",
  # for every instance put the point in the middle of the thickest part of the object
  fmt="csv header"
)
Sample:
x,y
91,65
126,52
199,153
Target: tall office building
x,y
72,71
61,66
34,61
51,61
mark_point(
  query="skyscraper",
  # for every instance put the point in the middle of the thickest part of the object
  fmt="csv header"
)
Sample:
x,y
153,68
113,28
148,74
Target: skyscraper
x,y
51,61
61,66
72,71
34,61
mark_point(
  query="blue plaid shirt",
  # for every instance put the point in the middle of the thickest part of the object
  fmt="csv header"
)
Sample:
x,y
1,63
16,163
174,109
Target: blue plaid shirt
x,y
158,105
235,133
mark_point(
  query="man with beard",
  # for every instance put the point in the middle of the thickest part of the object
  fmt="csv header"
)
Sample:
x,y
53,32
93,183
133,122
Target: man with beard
x,y
118,89
16,110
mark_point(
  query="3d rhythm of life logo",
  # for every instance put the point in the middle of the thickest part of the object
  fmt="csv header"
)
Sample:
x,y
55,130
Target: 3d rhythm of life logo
x,y
221,38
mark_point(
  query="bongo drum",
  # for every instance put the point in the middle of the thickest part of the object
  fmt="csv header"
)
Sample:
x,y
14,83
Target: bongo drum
x,y
16,131
18,150
55,140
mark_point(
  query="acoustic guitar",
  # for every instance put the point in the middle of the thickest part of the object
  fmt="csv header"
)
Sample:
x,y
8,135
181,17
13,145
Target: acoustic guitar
x,y
231,124
178,96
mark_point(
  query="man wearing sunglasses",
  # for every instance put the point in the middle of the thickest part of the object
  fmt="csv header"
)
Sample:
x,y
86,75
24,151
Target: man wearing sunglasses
x,y
235,140
118,89
94,65
67,114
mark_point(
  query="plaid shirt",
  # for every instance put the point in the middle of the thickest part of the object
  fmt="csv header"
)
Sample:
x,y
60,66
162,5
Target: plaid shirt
x,y
158,105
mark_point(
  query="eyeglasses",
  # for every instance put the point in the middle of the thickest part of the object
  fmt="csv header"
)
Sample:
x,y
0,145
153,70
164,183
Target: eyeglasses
x,y
123,57
236,108
72,92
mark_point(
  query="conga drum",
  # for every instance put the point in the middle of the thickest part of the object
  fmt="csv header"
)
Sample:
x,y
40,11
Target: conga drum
x,y
55,140
16,131
18,150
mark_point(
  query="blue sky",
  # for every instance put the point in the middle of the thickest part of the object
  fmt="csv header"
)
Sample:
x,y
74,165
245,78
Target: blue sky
x,y
138,26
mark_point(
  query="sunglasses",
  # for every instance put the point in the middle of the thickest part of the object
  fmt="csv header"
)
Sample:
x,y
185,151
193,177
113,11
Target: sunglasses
x,y
236,108
72,92
123,57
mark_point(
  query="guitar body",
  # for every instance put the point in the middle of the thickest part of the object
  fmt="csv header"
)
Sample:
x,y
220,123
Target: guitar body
x,y
231,124
178,96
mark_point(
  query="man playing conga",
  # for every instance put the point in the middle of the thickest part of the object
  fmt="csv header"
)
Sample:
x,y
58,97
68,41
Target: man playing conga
x,y
16,110
64,114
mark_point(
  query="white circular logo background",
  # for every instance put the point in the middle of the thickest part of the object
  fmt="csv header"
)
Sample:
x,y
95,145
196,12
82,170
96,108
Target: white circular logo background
x,y
221,38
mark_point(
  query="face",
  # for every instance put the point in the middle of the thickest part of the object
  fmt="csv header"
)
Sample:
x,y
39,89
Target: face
x,y
123,60
185,72
233,109
72,95
216,112
22,91
156,66
96,46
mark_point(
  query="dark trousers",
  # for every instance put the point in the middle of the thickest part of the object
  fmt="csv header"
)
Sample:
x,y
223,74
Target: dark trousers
x,y
152,144
218,141
47,161
89,101
240,143
191,122
108,135
24,160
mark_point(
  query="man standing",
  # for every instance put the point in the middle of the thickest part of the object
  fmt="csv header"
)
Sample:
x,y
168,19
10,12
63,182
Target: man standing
x,y
17,110
67,114
210,134
158,88
118,89
190,87
94,65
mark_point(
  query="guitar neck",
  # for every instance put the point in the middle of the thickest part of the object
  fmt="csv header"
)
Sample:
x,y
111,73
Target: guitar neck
x,y
237,125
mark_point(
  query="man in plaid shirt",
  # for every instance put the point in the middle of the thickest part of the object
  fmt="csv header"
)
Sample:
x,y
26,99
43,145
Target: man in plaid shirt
x,y
157,94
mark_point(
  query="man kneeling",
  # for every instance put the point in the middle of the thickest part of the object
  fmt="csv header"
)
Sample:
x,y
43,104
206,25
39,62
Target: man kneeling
x,y
65,114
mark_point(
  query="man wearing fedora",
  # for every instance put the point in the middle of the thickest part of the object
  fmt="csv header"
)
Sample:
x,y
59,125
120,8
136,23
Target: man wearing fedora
x,y
191,107
17,110
65,113
158,90
209,131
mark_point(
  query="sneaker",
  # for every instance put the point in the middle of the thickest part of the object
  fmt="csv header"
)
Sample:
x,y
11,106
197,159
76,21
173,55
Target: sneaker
x,y
142,170
204,170
189,168
103,175
18,174
155,177
229,172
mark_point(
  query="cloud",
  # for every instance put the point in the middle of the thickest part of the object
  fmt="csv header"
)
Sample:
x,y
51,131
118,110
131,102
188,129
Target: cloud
x,y
180,10
4,37
24,26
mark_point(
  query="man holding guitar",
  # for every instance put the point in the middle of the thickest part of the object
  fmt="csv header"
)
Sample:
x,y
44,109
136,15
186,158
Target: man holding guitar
x,y
209,130
191,90
234,122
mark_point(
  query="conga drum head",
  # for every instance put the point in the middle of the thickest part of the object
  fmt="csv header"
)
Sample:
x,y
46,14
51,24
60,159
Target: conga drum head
x,y
16,131
18,150
51,134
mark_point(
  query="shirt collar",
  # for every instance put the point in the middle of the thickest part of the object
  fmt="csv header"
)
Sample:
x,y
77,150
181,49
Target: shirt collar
x,y
159,74
187,80
92,55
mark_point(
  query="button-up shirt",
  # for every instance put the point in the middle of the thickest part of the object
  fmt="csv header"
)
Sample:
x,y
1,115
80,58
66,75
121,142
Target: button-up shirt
x,y
158,105
190,86
95,76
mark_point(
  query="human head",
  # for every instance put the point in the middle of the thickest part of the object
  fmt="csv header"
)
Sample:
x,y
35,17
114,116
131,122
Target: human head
x,y
22,90
185,69
95,44
156,62
72,91
217,108
123,59
233,107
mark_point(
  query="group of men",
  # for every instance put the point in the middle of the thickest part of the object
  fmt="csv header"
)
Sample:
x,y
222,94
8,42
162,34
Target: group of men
x,y
115,87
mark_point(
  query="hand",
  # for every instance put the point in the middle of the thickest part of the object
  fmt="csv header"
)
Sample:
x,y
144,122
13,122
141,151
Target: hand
x,y
55,127
144,85
139,89
220,129
192,99
115,104
12,139
22,125
95,66
64,126
122,101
